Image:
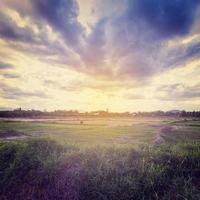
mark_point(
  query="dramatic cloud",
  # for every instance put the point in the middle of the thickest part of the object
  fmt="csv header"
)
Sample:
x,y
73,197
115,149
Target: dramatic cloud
x,y
10,31
141,35
166,18
89,48
94,53
62,16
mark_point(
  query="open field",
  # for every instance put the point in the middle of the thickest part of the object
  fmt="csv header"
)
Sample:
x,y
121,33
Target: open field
x,y
101,159
106,131
90,133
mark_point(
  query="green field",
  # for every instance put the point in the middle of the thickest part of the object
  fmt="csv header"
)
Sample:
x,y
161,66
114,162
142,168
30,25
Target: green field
x,y
114,159
114,132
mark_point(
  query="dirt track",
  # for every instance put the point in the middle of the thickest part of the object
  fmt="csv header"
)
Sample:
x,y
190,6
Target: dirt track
x,y
163,133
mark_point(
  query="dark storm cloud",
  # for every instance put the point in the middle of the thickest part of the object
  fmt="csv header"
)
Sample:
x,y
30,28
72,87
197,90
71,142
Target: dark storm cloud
x,y
10,31
62,16
38,45
141,33
18,37
167,18
147,23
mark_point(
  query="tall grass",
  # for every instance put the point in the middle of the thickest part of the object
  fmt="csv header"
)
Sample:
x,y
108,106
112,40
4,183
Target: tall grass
x,y
43,170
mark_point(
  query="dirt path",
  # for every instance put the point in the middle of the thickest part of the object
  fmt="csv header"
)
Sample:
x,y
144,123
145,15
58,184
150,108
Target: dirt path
x,y
163,133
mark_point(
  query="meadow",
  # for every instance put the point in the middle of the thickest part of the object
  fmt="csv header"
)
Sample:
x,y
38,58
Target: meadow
x,y
103,159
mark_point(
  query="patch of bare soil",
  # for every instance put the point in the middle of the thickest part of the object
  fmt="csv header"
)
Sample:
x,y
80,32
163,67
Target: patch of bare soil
x,y
12,134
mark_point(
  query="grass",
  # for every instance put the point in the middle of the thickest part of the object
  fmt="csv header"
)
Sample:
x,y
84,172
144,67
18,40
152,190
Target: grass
x,y
100,162
42,169
86,134
98,133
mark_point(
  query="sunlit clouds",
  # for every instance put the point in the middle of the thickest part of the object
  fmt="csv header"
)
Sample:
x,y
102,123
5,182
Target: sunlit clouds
x,y
125,55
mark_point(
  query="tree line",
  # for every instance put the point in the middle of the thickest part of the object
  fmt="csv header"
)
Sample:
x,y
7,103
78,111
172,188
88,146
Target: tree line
x,y
20,113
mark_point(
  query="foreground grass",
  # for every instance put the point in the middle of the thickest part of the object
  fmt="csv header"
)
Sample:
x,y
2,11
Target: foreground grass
x,y
41,169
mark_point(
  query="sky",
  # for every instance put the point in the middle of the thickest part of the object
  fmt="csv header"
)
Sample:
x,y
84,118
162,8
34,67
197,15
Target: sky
x,y
124,55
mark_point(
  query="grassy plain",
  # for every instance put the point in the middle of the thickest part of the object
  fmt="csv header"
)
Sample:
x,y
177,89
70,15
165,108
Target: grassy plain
x,y
113,159
112,131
